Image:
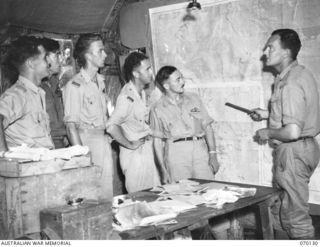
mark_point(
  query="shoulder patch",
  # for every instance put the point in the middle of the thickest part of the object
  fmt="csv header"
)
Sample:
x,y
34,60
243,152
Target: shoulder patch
x,y
129,98
76,83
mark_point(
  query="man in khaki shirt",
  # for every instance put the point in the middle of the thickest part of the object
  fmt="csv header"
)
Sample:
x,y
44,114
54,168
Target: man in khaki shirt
x,y
294,121
184,139
85,107
129,125
23,117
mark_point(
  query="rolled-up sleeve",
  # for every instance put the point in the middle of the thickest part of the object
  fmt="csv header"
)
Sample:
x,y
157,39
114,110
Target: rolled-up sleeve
x,y
293,105
206,119
72,103
11,107
155,124
120,113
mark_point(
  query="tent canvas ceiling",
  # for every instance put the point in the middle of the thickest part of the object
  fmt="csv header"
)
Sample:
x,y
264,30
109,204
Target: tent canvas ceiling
x,y
60,16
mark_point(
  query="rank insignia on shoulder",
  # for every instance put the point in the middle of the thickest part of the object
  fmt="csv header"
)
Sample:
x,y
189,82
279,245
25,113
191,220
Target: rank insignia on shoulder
x,y
195,109
129,98
76,83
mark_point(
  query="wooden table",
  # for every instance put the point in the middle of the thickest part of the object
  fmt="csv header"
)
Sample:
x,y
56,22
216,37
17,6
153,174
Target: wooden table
x,y
200,215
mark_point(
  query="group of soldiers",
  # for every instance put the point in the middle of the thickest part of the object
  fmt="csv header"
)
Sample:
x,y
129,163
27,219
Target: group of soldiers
x,y
162,139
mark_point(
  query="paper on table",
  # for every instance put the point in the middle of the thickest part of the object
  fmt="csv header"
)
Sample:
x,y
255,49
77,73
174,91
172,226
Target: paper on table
x,y
220,197
140,213
171,206
192,199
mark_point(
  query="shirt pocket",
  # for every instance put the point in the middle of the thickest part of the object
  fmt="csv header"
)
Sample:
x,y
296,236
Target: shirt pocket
x,y
141,114
276,109
40,123
91,106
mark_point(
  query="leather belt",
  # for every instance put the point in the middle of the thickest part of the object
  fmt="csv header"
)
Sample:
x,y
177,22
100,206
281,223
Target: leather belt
x,y
92,131
191,138
302,138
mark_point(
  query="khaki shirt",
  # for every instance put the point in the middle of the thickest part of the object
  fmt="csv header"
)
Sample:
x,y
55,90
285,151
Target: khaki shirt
x,y
25,118
85,103
171,121
295,100
131,113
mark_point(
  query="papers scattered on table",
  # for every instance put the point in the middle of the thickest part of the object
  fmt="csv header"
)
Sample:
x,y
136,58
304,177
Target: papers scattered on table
x,y
212,194
36,154
131,215
172,200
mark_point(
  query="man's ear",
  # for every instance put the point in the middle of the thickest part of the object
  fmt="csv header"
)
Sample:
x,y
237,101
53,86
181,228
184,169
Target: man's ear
x,y
166,86
87,56
135,74
29,63
287,53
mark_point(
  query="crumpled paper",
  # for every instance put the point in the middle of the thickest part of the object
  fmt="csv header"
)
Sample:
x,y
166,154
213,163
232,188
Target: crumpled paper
x,y
37,154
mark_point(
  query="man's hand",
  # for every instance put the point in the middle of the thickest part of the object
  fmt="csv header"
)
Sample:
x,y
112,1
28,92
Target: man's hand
x,y
213,163
262,136
136,144
259,114
165,178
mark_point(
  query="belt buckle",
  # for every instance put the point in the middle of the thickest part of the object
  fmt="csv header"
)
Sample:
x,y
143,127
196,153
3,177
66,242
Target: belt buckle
x,y
194,138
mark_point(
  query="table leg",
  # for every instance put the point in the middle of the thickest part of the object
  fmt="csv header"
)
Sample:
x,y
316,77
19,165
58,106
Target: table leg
x,y
264,222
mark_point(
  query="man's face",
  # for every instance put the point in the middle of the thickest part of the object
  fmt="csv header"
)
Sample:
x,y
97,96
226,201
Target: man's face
x,y
54,62
144,72
175,83
96,54
40,66
274,52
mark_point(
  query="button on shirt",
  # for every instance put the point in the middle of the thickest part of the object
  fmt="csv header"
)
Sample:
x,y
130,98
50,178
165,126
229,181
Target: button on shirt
x,y
25,117
172,121
295,100
85,101
131,113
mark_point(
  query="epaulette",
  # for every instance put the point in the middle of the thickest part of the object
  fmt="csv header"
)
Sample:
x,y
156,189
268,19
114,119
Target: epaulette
x,y
129,98
76,83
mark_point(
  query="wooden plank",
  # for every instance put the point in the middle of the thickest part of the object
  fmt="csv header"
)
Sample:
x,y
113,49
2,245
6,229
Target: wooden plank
x,y
3,212
12,168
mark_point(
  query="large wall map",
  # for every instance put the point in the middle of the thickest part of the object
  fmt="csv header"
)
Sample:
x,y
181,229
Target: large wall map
x,y
219,49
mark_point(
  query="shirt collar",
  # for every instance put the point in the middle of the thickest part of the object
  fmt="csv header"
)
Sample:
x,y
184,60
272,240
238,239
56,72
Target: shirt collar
x,y
86,76
29,84
286,70
134,89
168,100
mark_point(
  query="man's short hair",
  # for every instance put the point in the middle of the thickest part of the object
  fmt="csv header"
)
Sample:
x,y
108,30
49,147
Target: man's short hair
x,y
82,47
163,74
50,45
289,40
132,61
21,49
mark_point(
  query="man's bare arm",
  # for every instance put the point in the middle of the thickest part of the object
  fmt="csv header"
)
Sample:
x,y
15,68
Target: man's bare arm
x,y
3,143
159,152
116,132
211,143
73,134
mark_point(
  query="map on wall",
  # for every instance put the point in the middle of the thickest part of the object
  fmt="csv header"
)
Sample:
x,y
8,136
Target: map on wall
x,y
218,49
